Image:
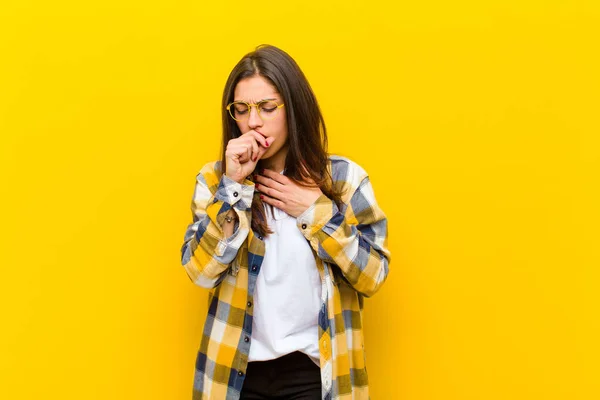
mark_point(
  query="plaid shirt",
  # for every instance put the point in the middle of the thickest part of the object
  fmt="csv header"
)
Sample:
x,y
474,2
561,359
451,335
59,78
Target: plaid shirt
x,y
350,248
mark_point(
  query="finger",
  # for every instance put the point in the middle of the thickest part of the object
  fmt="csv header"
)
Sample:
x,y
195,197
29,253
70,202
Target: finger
x,y
259,138
232,154
269,141
274,202
277,177
254,145
248,151
269,191
270,183
241,152
262,150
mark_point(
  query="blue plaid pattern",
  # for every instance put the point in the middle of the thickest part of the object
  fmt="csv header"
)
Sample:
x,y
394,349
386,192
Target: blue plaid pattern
x,y
350,247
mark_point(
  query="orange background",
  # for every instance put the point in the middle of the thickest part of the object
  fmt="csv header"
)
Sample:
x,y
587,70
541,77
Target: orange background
x,y
477,121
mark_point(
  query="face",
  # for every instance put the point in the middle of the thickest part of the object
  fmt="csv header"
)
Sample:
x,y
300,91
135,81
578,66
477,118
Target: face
x,y
252,90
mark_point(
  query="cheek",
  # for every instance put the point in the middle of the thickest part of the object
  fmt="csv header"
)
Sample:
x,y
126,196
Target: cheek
x,y
241,127
282,128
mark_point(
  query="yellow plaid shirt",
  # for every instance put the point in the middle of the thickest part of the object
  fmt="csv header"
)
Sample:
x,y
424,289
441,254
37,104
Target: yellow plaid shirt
x,y
350,248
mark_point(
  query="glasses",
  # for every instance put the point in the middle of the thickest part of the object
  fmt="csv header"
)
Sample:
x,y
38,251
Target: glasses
x,y
240,110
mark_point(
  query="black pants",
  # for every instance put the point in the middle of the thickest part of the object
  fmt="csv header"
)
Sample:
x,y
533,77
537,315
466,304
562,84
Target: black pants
x,y
291,377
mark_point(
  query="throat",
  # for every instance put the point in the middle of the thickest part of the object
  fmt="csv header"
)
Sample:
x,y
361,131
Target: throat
x,y
276,162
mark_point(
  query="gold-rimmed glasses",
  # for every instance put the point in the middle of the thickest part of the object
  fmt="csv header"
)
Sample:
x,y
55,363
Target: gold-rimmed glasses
x,y
240,110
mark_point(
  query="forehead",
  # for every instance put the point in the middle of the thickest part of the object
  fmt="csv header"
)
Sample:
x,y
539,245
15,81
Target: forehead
x,y
255,88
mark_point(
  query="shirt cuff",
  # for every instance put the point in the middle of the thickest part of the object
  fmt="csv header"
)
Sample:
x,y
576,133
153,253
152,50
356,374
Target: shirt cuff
x,y
316,217
238,195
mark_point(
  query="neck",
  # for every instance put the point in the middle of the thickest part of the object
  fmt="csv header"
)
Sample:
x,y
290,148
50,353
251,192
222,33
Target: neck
x,y
276,162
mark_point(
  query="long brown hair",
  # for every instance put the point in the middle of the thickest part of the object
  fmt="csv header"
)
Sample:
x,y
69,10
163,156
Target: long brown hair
x,y
307,156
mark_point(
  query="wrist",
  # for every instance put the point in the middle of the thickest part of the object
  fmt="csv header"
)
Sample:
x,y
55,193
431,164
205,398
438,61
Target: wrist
x,y
238,180
231,216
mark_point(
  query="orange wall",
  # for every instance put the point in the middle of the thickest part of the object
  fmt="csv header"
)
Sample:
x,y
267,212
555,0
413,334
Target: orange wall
x,y
478,122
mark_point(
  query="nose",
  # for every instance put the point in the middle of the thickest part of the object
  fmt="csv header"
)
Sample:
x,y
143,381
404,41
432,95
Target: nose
x,y
254,120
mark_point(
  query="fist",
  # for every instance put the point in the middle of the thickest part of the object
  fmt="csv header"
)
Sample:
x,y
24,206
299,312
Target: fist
x,y
242,154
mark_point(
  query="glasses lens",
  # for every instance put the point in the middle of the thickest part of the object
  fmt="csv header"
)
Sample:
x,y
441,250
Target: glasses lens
x,y
268,109
238,110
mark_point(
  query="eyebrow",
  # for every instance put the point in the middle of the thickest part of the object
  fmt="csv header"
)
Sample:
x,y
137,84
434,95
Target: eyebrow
x,y
273,99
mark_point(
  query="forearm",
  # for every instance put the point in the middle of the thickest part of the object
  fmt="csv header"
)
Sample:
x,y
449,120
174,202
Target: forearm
x,y
354,240
231,219
221,225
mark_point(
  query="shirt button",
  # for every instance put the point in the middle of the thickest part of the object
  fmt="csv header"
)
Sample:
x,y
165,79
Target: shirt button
x,y
240,373
254,268
260,238
303,226
235,194
246,339
249,304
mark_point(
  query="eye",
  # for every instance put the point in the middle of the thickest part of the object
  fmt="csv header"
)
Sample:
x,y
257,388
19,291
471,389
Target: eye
x,y
240,108
268,106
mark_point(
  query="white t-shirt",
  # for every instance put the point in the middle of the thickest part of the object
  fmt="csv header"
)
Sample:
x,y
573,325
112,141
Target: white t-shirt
x,y
287,296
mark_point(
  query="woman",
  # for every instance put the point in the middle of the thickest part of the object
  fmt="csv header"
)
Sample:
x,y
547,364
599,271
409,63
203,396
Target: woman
x,y
288,239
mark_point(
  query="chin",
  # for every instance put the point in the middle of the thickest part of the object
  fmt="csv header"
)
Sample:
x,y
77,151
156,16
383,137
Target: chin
x,y
267,155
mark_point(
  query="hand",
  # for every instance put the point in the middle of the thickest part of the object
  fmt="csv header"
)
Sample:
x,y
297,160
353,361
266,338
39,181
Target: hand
x,y
242,154
285,194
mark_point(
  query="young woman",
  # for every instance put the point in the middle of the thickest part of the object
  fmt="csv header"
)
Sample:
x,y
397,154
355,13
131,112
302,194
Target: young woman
x,y
288,239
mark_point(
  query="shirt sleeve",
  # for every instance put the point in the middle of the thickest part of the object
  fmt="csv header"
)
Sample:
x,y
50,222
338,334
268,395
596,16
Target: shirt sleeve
x,y
355,240
206,254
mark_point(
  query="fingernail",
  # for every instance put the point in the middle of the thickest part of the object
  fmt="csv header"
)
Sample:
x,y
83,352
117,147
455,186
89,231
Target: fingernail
x,y
262,197
267,142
